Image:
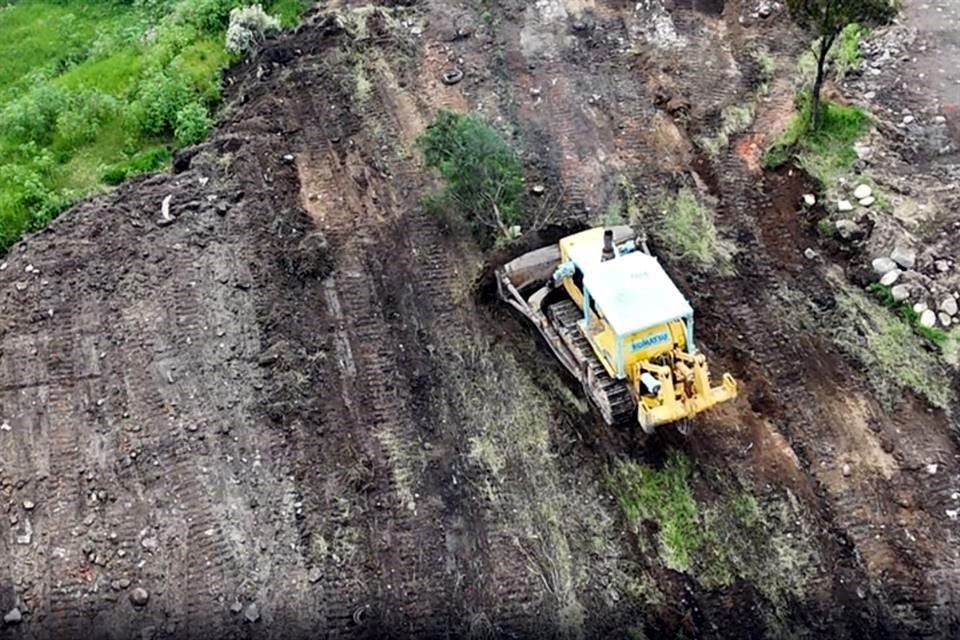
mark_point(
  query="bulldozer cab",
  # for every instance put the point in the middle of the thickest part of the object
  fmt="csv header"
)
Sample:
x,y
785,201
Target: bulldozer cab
x,y
633,312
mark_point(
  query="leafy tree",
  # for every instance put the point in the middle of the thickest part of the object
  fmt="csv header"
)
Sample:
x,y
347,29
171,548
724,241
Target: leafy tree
x,y
827,18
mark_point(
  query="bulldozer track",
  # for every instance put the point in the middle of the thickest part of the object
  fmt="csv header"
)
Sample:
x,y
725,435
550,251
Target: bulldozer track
x,y
612,397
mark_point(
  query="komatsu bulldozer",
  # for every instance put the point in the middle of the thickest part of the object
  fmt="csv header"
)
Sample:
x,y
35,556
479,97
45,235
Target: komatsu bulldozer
x,y
618,323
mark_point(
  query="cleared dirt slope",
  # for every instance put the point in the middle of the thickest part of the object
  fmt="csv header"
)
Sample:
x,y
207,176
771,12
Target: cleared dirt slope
x,y
284,414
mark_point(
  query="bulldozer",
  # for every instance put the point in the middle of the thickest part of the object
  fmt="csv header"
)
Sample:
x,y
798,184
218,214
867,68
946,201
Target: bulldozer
x,y
617,322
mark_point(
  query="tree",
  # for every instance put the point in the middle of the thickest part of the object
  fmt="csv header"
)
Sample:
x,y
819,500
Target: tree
x,y
827,18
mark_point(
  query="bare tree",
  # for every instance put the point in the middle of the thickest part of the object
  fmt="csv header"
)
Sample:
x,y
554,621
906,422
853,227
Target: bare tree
x,y
827,18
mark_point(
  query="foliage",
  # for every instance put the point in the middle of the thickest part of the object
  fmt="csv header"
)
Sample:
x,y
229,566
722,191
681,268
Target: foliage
x,y
827,19
688,232
484,177
827,152
845,54
249,26
193,123
150,159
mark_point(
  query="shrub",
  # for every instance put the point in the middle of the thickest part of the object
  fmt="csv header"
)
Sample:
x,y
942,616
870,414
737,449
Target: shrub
x,y
33,116
147,160
161,96
86,111
484,177
193,124
249,26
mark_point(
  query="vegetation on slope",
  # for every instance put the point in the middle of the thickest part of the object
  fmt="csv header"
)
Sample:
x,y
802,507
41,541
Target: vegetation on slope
x,y
94,91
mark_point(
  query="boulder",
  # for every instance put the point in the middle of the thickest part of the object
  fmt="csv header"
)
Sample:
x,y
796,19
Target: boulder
x,y
900,292
883,265
928,318
890,277
844,205
809,254
949,306
942,265
945,320
904,256
920,307
862,191
13,616
809,199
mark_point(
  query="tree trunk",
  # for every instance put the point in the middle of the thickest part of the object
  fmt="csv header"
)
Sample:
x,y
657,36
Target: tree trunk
x,y
825,43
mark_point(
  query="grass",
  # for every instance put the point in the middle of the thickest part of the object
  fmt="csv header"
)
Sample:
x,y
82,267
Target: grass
x,y
93,92
689,233
891,352
827,153
733,120
662,496
905,311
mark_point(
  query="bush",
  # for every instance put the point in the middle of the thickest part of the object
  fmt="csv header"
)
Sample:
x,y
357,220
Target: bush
x,y
193,124
484,177
249,26
33,116
148,160
86,111
161,97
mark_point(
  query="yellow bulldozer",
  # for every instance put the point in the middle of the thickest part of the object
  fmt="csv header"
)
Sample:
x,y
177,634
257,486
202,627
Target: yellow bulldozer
x,y
618,323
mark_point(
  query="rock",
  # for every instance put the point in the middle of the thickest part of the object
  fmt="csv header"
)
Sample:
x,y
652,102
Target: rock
x,y
866,202
900,292
288,158
844,205
252,614
920,307
945,319
764,9
149,543
908,119
942,265
928,318
314,575
883,265
165,217
846,470
890,277
537,189
949,306
236,607
810,254
139,597
452,76
939,119
863,151
847,229
28,504
904,256
13,616
809,199
862,191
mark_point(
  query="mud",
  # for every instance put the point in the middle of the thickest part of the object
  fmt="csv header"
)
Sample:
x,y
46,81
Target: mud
x,y
291,397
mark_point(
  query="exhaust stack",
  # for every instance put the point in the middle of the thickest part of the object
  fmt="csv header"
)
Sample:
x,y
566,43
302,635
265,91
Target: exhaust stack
x,y
608,251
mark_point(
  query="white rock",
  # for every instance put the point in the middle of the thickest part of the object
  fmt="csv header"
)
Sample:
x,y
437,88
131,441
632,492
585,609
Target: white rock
x,y
904,256
844,205
809,254
932,468
900,292
846,228
920,307
890,277
883,265
863,151
942,265
862,191
847,470
953,513
13,616
949,306
928,318
866,202
809,199
945,319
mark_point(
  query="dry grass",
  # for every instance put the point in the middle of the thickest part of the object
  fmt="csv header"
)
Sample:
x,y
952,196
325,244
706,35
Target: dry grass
x,y
688,232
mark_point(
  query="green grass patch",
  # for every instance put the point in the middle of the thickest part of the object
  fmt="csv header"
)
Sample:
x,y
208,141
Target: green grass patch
x,y
688,232
664,497
94,91
905,311
893,354
827,153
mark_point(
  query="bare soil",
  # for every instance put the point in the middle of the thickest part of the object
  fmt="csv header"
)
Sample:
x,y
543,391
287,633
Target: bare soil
x,y
287,413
